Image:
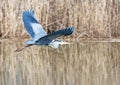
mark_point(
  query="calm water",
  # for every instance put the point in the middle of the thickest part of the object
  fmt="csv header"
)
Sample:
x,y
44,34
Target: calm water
x,y
75,64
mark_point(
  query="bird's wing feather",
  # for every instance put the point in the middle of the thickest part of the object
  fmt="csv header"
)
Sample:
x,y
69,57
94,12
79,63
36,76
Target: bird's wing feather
x,y
32,26
63,32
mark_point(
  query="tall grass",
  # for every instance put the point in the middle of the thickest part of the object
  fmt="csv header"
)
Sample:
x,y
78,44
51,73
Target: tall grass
x,y
96,18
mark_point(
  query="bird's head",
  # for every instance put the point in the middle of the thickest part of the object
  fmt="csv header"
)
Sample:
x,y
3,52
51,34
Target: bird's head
x,y
57,42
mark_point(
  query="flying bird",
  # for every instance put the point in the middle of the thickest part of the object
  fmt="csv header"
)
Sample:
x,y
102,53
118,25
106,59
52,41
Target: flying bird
x,y
38,34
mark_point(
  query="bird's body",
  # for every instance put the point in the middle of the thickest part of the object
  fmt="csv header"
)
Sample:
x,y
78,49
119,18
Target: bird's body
x,y
50,39
38,34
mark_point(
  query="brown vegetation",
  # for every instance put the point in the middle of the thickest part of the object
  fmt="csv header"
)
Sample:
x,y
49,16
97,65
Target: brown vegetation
x,y
95,18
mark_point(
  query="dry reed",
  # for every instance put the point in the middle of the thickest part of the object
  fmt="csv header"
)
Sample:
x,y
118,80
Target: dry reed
x,y
98,18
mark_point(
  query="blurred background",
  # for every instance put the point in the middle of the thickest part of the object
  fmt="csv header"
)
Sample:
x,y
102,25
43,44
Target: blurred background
x,y
93,18
92,62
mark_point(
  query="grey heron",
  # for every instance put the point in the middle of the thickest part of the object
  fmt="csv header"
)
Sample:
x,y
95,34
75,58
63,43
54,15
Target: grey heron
x,y
38,34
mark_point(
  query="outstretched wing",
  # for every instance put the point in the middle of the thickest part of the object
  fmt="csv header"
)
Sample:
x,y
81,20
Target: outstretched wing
x,y
63,32
32,26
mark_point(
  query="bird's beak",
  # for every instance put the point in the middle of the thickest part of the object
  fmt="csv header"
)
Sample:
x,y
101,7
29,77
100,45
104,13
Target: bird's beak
x,y
65,43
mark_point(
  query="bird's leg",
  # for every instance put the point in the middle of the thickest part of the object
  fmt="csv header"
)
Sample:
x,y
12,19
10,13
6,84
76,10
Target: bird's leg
x,y
20,49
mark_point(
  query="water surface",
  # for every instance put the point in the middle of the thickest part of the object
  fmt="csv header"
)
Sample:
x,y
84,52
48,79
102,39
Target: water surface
x,y
74,64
